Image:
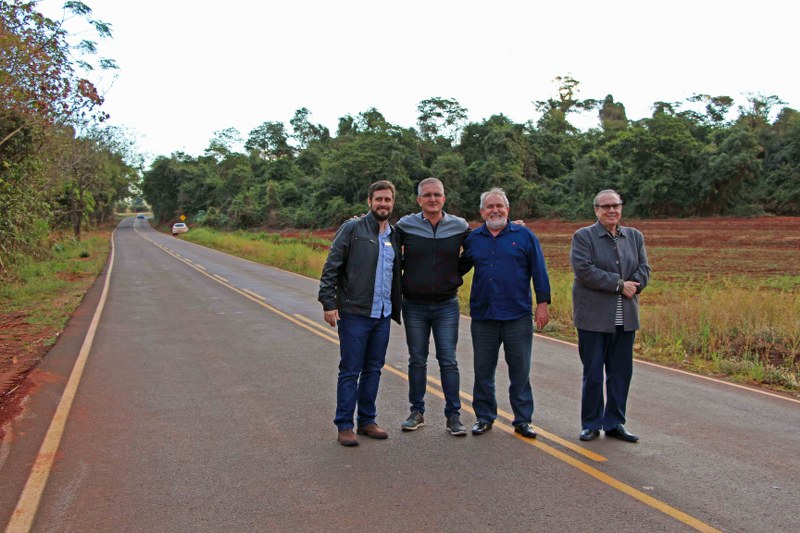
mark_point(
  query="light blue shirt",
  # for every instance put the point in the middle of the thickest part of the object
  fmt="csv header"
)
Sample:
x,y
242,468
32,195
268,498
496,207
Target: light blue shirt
x,y
382,295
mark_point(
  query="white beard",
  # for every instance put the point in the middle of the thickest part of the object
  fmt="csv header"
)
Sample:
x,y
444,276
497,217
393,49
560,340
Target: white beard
x,y
496,223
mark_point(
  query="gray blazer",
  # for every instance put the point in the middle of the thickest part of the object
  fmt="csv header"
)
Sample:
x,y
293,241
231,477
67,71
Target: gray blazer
x,y
599,266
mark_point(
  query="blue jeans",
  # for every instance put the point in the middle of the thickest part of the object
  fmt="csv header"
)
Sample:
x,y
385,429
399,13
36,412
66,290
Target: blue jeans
x,y
362,345
614,353
516,336
441,319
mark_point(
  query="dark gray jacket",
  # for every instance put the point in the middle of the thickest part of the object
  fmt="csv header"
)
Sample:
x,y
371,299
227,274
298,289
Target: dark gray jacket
x,y
348,277
599,265
430,257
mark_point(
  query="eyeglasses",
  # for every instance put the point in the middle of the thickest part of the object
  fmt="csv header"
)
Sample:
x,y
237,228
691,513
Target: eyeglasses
x,y
432,195
609,207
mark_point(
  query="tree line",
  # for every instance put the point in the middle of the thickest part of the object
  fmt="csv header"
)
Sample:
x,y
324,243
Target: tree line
x,y
60,167
700,157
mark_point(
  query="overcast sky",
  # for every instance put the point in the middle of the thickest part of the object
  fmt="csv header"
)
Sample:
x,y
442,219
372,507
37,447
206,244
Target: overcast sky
x,y
189,68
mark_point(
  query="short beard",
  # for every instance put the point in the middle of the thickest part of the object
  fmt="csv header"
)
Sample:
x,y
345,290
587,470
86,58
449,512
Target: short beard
x,y
494,224
381,218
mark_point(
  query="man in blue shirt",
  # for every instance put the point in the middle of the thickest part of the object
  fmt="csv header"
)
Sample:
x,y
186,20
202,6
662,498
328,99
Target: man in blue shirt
x,y
360,291
506,257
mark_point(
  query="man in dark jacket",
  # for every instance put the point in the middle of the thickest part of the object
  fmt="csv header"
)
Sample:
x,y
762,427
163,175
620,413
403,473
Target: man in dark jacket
x,y
431,243
360,291
611,269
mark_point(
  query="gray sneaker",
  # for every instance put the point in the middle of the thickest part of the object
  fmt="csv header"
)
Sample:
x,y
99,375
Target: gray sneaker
x,y
455,427
414,421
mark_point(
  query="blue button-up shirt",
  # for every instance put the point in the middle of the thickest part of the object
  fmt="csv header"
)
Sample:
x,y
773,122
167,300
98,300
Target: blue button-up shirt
x,y
504,266
382,295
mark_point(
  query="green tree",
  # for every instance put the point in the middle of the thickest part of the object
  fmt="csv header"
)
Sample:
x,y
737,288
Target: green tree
x,y
779,186
372,120
77,167
162,182
555,112
757,113
353,163
443,117
659,160
269,141
716,107
224,143
304,132
451,170
44,86
726,185
612,116
119,166
39,79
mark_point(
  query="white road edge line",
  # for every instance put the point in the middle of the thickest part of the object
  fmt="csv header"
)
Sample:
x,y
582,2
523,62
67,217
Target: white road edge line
x,y
28,504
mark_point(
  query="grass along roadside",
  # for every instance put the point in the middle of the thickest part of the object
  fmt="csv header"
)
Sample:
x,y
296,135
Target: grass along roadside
x,y
727,327
303,255
37,299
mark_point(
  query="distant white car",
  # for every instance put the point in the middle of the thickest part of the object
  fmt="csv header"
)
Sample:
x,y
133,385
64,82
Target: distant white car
x,y
140,215
179,227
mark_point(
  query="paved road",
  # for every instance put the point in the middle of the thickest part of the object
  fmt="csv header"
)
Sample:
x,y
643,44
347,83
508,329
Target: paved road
x,y
206,404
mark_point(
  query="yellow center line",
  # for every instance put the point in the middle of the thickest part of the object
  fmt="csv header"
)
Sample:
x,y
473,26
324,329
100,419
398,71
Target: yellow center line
x,y
251,293
437,392
326,329
568,459
256,298
544,433
587,469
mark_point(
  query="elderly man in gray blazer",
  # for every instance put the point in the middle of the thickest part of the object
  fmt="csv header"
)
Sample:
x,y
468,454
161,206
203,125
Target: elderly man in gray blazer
x,y
611,269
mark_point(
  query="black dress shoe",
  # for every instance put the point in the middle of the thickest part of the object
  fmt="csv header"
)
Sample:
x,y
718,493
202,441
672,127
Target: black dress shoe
x,y
621,433
481,427
589,434
526,430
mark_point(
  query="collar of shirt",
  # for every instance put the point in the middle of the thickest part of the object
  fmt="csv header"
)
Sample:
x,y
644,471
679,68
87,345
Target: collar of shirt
x,y
603,231
422,215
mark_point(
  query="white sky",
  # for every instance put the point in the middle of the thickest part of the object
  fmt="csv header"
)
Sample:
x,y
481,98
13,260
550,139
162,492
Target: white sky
x,y
189,68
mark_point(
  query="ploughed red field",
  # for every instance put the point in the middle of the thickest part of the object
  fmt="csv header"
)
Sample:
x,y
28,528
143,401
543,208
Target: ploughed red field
x,y
717,246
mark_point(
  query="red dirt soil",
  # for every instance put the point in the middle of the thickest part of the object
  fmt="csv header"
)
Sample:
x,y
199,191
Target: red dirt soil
x,y
22,346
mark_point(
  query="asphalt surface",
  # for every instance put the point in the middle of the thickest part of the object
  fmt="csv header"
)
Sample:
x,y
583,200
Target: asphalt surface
x,y
207,398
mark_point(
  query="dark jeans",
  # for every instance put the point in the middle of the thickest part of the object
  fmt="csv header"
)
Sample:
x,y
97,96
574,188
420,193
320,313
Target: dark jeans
x,y
441,319
362,345
516,336
614,353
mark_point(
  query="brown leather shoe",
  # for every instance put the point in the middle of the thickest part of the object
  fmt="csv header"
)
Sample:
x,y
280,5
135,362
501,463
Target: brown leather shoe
x,y
347,438
372,431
